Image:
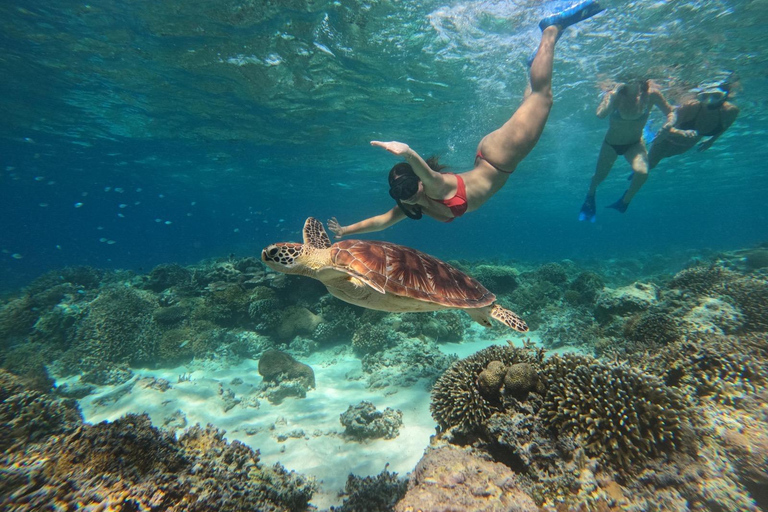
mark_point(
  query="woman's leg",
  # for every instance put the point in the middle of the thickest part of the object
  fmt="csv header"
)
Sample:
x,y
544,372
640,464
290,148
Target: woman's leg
x,y
507,146
605,162
637,157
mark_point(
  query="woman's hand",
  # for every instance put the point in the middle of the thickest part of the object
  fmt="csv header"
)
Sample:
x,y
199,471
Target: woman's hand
x,y
335,227
394,147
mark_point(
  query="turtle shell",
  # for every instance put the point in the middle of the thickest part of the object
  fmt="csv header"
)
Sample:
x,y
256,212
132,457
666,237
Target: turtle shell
x,y
410,273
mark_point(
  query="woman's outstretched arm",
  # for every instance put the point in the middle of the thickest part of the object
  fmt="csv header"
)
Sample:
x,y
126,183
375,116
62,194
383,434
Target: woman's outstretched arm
x,y
434,182
377,223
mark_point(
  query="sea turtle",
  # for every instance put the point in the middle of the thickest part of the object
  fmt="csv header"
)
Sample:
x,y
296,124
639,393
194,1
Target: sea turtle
x,y
386,277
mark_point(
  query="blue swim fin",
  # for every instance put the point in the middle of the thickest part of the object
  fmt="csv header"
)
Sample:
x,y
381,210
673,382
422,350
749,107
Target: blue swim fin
x,y
574,14
564,19
588,209
648,133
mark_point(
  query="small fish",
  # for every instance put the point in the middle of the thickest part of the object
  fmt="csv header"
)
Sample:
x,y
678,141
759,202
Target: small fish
x,y
16,256
78,205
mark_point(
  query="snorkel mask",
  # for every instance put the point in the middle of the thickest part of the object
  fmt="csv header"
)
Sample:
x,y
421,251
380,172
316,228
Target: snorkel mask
x,y
405,186
713,95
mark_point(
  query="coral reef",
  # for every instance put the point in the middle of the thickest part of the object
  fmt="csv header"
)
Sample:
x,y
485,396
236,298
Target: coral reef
x,y
452,478
405,364
370,338
625,300
497,278
377,493
129,465
363,421
619,413
457,400
701,279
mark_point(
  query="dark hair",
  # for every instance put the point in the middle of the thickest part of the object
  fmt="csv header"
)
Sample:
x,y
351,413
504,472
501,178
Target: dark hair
x,y
403,183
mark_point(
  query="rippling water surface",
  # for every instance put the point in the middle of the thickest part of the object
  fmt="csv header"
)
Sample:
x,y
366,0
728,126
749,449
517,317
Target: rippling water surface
x,y
136,133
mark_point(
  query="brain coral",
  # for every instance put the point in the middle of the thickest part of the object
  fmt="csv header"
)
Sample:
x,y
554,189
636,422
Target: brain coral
x,y
457,400
619,413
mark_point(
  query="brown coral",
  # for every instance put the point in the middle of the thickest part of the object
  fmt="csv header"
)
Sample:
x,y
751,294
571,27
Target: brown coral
x,y
490,380
457,400
621,414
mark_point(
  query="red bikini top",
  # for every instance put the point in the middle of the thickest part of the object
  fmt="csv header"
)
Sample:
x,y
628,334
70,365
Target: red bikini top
x,y
457,203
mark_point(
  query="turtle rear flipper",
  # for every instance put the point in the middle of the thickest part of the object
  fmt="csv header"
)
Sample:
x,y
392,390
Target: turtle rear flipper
x,y
508,318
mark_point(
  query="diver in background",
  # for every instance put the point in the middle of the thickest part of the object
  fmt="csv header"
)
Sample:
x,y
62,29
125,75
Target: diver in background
x,y
709,115
417,185
629,106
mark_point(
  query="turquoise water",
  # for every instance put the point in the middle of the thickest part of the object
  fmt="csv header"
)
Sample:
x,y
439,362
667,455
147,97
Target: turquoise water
x,y
137,133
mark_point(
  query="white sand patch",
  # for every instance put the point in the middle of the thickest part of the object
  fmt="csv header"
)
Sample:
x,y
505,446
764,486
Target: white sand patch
x,y
321,451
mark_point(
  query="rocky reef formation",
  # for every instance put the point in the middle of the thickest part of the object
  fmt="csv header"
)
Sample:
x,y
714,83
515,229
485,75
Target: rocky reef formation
x,y
363,421
574,432
54,461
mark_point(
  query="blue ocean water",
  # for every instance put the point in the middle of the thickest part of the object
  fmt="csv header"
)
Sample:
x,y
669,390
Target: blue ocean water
x,y
140,133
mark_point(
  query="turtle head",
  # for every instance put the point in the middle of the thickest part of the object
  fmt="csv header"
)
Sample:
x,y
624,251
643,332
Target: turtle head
x,y
284,257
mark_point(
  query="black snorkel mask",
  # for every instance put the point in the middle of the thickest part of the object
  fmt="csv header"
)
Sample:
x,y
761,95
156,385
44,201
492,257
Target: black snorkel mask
x,y
403,187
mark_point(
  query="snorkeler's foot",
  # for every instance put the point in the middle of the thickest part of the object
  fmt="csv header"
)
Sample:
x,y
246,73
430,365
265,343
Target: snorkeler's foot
x,y
574,14
619,205
588,210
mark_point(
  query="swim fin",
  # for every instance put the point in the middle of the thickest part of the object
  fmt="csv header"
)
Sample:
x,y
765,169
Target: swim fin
x,y
588,209
564,19
619,205
574,14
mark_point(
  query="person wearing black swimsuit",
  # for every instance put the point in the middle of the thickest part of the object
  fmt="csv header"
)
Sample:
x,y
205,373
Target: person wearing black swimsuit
x,y
709,115
629,106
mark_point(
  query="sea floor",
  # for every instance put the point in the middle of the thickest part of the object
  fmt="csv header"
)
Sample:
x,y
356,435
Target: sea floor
x,y
304,435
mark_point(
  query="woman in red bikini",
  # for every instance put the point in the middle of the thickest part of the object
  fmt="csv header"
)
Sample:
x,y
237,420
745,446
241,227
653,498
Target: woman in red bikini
x,y
419,188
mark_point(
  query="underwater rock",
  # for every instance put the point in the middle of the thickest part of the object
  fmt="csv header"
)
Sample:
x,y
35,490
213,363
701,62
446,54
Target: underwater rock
x,y
450,478
622,301
363,421
750,294
713,316
276,366
297,320
756,259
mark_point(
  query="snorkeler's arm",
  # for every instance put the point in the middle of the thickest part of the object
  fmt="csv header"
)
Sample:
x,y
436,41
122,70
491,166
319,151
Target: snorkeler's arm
x,y
684,114
606,105
728,115
377,223
434,182
661,102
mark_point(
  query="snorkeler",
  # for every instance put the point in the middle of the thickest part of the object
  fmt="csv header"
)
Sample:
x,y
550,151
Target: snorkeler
x,y
419,187
708,115
629,106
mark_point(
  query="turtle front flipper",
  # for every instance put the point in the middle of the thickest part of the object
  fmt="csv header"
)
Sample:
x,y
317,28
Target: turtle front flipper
x,y
315,235
508,318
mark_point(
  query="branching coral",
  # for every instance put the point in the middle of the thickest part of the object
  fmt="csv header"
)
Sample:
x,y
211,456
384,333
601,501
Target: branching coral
x,y
457,399
702,279
621,414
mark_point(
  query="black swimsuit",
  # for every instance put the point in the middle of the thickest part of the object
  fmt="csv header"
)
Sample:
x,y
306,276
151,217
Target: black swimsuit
x,y
620,149
691,125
